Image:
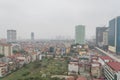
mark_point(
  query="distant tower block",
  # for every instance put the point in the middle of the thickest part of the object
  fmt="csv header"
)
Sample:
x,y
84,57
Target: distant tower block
x,y
11,36
32,36
80,34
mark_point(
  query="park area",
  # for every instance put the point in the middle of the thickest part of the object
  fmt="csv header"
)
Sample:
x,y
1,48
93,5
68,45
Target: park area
x,y
40,70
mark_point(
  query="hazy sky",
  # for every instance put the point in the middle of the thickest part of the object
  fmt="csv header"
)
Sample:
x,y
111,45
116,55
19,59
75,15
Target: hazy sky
x,y
51,18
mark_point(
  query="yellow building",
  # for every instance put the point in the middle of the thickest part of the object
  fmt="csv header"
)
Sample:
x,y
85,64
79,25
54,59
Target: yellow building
x,y
68,50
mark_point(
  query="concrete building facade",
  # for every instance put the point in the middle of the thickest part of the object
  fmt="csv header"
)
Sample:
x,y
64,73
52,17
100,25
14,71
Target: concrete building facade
x,y
105,38
6,49
11,36
99,35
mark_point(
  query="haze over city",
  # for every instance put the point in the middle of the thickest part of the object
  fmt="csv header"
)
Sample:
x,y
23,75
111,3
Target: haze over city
x,y
59,40
51,18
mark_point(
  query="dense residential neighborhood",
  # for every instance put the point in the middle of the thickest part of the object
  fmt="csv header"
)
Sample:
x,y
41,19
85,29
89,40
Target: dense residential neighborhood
x,y
57,59
78,62
59,40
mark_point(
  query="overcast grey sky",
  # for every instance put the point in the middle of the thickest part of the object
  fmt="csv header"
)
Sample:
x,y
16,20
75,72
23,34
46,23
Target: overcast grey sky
x,y
50,18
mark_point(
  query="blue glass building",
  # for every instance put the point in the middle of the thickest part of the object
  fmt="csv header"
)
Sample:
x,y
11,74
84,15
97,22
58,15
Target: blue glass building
x,y
114,35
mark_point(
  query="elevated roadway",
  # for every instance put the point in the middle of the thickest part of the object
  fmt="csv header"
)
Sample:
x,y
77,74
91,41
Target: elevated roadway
x,y
108,54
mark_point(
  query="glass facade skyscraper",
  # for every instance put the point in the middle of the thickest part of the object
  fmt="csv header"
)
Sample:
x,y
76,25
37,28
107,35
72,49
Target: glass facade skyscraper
x,y
111,32
114,35
80,34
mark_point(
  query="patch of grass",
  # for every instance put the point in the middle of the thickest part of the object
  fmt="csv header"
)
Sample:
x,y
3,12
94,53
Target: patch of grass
x,y
26,73
34,70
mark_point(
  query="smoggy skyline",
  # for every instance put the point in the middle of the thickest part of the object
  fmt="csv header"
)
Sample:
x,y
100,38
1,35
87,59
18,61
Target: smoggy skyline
x,y
51,18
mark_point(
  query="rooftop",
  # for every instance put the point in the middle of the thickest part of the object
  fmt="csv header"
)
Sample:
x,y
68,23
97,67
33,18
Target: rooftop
x,y
5,44
81,78
2,64
106,58
71,78
114,65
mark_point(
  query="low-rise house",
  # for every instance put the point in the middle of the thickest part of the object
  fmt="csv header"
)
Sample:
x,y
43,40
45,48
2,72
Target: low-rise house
x,y
75,78
29,49
58,51
49,55
96,69
70,78
74,59
81,67
21,61
105,59
84,66
63,51
67,50
12,66
94,58
112,71
27,59
82,52
40,57
3,69
5,59
98,79
81,78
17,61
16,47
34,56
73,68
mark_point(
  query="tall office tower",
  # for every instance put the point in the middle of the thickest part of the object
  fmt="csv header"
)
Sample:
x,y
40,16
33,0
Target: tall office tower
x,y
99,35
105,37
114,35
11,36
80,34
32,36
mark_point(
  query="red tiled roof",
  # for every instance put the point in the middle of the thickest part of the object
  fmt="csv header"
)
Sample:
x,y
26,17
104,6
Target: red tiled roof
x,y
2,64
96,79
5,44
15,55
114,65
106,58
81,78
70,78
34,53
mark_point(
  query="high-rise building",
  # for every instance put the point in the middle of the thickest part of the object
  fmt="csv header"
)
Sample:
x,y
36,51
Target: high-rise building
x,y
6,49
105,38
32,35
80,34
11,36
114,35
100,35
